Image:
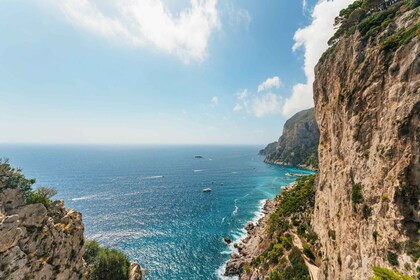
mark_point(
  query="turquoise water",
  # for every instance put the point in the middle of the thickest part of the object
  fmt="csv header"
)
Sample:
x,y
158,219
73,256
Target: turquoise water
x,y
148,201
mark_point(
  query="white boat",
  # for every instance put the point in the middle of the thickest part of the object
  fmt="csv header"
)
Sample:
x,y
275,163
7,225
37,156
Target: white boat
x,y
207,190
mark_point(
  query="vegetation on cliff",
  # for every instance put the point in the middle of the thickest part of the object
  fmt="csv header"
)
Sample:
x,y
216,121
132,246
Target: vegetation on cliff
x,y
105,263
372,17
292,241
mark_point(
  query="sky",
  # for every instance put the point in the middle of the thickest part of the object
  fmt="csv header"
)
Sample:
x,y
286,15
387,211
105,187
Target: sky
x,y
157,71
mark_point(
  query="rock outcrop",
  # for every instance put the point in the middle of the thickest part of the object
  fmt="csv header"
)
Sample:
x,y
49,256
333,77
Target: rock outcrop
x,y
298,144
36,243
40,240
367,105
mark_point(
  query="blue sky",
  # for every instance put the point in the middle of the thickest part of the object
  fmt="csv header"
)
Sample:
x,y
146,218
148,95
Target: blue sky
x,y
157,72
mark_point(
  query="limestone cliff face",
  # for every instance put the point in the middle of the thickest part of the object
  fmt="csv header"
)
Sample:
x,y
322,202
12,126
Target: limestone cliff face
x,y
36,243
367,105
298,143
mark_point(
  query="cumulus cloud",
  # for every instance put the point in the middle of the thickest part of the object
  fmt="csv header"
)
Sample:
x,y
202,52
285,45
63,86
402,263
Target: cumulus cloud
x,y
267,104
259,105
148,23
214,101
270,83
313,39
241,100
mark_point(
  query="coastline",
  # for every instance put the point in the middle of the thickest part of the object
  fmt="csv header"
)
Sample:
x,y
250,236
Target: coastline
x,y
253,244
246,248
280,163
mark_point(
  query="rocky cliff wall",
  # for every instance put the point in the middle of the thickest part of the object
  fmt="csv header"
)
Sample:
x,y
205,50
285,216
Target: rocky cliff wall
x,y
367,105
36,243
298,144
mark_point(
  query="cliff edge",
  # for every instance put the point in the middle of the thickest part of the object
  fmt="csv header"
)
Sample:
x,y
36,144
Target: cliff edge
x,y
367,105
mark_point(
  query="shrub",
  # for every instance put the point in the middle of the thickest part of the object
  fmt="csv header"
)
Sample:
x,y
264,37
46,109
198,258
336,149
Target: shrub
x,y
110,264
92,250
413,249
35,197
392,258
46,192
13,178
41,195
105,263
356,193
384,198
366,211
386,274
308,252
400,38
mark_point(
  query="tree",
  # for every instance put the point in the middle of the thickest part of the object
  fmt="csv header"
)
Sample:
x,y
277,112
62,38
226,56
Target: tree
x,y
46,192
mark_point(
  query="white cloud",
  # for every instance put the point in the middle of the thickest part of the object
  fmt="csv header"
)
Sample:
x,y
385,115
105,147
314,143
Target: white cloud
x,y
260,105
267,104
214,101
313,39
270,83
241,100
305,6
141,23
237,16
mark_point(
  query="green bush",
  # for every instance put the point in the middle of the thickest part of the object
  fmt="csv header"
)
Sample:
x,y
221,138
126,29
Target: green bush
x,y
392,258
308,252
110,264
366,211
92,250
401,37
13,178
41,195
356,193
35,197
105,263
386,274
413,249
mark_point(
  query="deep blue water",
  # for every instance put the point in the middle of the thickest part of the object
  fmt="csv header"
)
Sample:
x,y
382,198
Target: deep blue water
x,y
148,200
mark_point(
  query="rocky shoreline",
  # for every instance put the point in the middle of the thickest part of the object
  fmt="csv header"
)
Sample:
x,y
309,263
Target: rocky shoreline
x,y
304,166
252,245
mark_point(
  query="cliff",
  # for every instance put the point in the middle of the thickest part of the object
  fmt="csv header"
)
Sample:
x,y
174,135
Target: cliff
x,y
360,217
367,105
298,144
40,240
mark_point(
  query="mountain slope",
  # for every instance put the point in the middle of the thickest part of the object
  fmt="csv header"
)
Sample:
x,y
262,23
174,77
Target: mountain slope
x,y
298,143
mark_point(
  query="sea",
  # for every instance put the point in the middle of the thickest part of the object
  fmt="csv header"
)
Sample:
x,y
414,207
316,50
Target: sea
x,y
148,201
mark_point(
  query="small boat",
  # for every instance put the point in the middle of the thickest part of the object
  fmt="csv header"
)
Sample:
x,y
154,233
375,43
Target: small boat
x,y
221,184
207,190
198,156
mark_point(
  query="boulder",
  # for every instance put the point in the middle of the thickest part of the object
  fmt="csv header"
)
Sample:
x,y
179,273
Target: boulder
x,y
227,240
135,272
32,215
